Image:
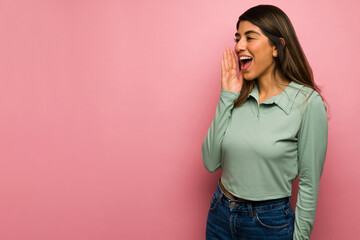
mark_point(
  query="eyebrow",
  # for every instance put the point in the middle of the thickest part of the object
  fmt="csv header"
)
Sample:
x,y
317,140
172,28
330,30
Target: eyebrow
x,y
247,32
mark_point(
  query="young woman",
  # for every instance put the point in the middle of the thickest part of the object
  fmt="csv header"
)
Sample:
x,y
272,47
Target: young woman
x,y
270,125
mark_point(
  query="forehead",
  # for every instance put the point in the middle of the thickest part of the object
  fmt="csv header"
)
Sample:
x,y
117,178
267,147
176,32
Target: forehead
x,y
246,27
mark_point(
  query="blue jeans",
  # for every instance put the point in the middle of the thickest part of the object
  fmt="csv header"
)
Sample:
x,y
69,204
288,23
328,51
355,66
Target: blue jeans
x,y
251,220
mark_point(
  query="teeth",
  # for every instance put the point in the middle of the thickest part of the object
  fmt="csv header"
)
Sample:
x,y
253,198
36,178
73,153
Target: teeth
x,y
244,58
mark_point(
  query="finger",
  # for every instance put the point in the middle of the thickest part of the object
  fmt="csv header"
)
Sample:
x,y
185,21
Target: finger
x,y
233,63
229,59
222,67
228,54
225,62
234,59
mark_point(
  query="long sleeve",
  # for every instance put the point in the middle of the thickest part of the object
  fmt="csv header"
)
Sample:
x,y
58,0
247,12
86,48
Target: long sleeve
x,y
211,147
312,147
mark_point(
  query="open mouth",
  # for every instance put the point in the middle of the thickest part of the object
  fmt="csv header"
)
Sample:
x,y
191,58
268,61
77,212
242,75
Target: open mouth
x,y
245,62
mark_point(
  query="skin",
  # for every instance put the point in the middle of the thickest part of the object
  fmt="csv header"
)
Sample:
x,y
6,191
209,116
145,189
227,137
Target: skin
x,y
258,46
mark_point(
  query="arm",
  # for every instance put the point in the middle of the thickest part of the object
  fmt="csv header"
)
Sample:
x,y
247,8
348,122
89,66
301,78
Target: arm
x,y
312,147
211,147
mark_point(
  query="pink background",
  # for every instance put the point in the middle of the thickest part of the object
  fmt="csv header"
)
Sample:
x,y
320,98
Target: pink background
x,y
105,104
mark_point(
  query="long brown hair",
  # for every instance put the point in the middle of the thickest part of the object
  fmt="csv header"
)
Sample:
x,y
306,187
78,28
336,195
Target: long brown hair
x,y
291,61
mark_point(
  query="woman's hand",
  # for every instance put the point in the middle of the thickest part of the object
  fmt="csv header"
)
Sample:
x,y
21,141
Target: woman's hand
x,y
229,79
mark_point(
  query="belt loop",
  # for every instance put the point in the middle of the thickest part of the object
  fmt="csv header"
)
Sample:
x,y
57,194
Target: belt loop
x,y
221,194
250,210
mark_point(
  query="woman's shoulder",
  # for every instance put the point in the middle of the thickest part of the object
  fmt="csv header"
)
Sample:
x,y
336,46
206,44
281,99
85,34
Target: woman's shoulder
x,y
308,97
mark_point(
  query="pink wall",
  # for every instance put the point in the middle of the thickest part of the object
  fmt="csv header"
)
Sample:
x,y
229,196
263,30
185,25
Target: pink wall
x,y
105,104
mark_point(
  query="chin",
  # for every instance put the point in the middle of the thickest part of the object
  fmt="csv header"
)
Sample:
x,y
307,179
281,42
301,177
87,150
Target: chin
x,y
249,78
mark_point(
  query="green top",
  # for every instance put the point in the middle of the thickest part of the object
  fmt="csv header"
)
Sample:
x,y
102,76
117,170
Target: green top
x,y
261,148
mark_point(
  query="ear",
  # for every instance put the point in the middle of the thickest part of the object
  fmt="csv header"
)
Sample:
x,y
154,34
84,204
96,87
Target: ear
x,y
275,53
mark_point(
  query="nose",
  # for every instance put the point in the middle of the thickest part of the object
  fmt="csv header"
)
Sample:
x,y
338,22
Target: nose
x,y
240,46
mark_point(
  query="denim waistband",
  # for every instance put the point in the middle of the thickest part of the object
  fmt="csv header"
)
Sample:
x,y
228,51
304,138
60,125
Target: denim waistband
x,y
249,205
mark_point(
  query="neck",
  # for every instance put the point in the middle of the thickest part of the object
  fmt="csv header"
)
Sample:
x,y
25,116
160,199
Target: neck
x,y
269,85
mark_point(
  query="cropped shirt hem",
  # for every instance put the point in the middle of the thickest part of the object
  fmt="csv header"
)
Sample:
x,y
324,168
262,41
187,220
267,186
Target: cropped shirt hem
x,y
271,197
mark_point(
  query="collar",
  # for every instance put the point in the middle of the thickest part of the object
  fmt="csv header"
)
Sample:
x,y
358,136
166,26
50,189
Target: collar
x,y
283,100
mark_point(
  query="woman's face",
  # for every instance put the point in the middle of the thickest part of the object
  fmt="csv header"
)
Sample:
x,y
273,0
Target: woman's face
x,y
250,41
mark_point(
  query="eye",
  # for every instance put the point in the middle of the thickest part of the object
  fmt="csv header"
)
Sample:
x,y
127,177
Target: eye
x,y
248,38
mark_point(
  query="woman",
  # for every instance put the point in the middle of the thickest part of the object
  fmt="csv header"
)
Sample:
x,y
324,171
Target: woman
x,y
270,125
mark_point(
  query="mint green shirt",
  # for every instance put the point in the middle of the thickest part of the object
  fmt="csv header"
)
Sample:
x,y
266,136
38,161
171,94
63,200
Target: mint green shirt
x,y
261,148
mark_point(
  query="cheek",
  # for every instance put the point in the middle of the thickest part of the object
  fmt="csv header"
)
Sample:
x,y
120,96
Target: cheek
x,y
263,56
260,49
257,51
